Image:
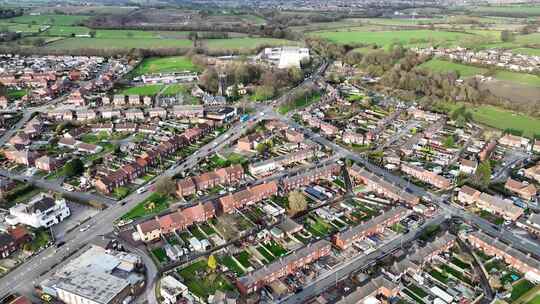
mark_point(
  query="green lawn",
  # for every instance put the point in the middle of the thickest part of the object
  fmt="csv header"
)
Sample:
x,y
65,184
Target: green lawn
x,y
439,276
72,44
50,19
265,253
203,283
231,265
530,10
16,94
299,103
145,90
502,119
276,249
521,78
164,65
143,208
385,38
535,300
174,89
245,43
520,288
66,31
160,254
243,258
445,66
527,51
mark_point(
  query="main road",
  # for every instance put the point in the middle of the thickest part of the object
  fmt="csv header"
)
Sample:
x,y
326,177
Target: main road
x,y
26,275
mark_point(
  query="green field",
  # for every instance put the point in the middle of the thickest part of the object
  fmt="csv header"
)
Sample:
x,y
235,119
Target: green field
x,y
145,90
521,78
20,27
502,119
444,66
520,288
530,10
245,43
527,51
161,203
72,44
50,19
164,65
385,38
173,89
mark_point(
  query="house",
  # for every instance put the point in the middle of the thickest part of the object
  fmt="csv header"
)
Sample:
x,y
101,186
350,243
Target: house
x,y
41,211
248,196
67,142
47,163
372,291
126,127
157,112
149,230
187,111
85,115
380,186
310,176
3,102
486,151
249,142
284,266
499,206
22,157
533,172
376,225
525,190
88,148
536,146
294,136
276,125
426,176
467,166
7,245
104,127
20,139
353,138
514,141
134,114
119,100
520,261
172,290
110,113
468,195
134,100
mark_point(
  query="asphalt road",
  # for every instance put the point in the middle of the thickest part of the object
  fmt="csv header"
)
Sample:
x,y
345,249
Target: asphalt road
x,y
23,278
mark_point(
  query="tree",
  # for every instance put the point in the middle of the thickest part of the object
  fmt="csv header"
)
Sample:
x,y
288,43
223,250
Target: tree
x,y
262,148
212,262
74,167
507,36
165,186
449,141
92,33
483,173
297,202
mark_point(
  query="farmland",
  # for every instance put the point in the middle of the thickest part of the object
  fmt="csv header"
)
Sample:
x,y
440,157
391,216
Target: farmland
x,y
385,38
503,119
245,43
71,44
525,10
164,65
50,19
444,66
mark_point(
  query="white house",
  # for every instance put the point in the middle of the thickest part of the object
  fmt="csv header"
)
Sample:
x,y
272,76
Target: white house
x,y
41,211
172,290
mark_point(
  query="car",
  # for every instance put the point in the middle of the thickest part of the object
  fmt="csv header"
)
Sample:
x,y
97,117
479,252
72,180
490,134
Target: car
x,y
141,190
83,229
59,244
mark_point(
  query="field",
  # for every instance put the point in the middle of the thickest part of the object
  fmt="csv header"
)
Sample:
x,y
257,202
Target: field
x,y
527,51
385,38
503,119
521,78
444,66
245,43
164,65
143,208
529,10
145,90
49,19
71,44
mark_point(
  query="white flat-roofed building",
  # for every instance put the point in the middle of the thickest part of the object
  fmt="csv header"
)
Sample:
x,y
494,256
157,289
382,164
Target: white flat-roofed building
x,y
286,57
172,290
42,210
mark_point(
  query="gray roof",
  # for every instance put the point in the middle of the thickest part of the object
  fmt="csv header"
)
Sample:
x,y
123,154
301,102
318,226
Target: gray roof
x,y
509,250
282,263
367,290
354,231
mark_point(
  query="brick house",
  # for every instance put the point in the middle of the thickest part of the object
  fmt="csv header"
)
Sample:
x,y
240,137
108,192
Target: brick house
x,y
515,258
514,141
378,185
134,114
353,138
468,195
533,172
47,163
313,175
294,136
248,196
249,142
525,190
486,151
376,225
149,230
467,166
426,176
7,245
157,112
284,266
499,206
